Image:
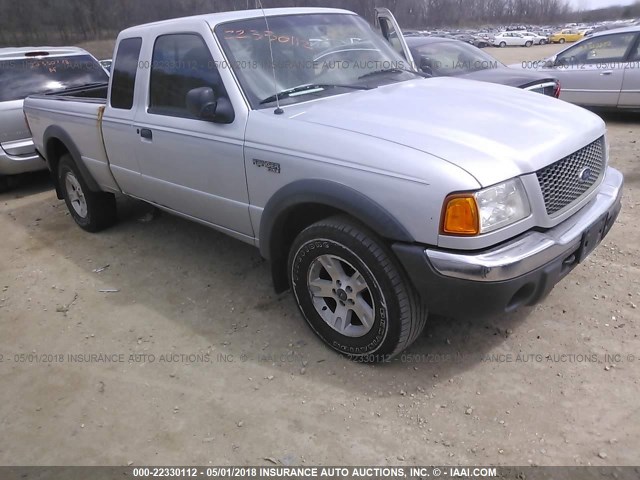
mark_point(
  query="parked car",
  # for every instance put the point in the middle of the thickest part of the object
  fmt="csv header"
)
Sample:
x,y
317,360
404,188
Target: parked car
x,y
465,37
24,71
378,195
481,42
566,35
441,57
511,39
537,39
600,70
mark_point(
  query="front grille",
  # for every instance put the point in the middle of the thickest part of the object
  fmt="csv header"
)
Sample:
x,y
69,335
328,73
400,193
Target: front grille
x,y
566,181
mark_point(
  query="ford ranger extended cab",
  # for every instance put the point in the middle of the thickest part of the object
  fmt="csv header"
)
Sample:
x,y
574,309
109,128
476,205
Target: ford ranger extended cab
x,y
377,195
29,70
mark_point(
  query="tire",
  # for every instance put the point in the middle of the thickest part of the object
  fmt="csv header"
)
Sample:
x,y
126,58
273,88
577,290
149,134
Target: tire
x,y
92,211
543,42
382,314
503,44
562,40
528,44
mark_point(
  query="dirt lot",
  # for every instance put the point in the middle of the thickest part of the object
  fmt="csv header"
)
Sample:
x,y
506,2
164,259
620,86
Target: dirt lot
x,y
201,363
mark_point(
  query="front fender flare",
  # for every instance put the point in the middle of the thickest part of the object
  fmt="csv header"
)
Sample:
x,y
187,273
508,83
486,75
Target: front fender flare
x,y
272,234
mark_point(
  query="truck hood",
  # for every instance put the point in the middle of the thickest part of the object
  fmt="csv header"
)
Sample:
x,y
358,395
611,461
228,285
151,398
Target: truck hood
x,y
491,131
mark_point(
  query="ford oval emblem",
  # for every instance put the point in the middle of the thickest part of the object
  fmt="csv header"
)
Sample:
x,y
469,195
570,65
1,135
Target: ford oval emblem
x,y
584,175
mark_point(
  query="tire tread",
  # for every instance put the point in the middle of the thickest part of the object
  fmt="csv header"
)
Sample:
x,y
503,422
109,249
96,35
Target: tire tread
x,y
413,312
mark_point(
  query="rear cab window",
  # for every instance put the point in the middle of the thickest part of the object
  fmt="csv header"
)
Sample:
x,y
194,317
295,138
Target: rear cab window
x,y
124,71
22,77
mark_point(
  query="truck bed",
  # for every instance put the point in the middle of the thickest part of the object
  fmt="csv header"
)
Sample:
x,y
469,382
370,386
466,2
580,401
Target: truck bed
x,y
78,113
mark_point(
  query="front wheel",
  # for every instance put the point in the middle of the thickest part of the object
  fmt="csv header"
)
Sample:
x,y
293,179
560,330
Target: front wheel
x,y
92,211
352,292
528,44
503,44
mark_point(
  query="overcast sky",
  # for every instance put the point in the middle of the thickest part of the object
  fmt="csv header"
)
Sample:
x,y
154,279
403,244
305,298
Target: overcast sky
x,y
591,4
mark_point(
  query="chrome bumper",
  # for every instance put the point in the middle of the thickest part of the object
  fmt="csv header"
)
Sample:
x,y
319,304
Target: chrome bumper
x,y
533,249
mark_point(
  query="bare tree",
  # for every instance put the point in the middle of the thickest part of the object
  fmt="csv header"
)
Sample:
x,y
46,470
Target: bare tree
x,y
67,21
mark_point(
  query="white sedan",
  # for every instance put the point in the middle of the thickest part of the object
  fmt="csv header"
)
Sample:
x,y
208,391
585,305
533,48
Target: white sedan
x,y
537,39
511,39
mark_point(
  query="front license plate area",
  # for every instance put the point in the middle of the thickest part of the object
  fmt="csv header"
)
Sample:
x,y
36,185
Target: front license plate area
x,y
591,238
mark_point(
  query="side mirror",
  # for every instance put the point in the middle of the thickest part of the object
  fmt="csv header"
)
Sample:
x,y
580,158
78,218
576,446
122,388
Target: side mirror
x,y
425,65
224,111
202,104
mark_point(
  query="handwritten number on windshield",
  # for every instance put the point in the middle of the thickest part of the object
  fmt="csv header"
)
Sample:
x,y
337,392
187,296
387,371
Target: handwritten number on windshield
x,y
258,35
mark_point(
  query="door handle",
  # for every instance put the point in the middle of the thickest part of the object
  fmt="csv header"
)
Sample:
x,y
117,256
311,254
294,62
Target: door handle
x,y
608,72
146,133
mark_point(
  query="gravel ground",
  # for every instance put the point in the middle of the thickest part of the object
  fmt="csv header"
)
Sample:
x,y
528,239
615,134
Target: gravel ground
x,y
161,342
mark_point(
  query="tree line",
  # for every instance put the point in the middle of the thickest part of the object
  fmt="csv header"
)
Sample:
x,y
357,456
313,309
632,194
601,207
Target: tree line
x,y
66,21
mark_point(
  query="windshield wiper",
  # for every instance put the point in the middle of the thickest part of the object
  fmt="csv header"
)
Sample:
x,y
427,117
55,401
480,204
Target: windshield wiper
x,y
300,89
391,70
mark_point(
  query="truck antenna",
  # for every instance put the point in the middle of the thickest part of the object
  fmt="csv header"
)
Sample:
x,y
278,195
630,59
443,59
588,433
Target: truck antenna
x,y
278,110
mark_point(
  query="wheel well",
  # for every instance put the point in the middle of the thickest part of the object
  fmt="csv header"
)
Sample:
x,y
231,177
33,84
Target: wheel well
x,y
287,228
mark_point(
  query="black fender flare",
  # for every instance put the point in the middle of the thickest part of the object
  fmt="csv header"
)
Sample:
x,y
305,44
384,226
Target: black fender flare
x,y
55,132
272,235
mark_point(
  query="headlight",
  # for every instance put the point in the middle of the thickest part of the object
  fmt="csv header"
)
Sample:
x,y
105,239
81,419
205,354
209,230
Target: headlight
x,y
486,210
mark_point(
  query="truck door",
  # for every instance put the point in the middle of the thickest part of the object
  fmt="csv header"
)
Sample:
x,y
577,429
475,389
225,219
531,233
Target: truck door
x,y
191,165
117,125
390,30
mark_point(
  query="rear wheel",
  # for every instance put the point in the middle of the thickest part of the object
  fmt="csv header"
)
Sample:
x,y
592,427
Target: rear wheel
x,y
562,40
92,211
352,292
503,44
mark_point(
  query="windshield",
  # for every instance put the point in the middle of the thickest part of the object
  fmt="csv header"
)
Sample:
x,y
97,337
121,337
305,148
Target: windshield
x,y
452,58
340,51
23,77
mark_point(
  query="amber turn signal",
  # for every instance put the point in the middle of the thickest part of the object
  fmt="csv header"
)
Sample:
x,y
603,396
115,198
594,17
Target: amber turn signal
x,y
460,216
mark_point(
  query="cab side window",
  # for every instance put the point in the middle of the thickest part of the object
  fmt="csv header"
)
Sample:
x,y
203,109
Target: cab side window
x,y
181,62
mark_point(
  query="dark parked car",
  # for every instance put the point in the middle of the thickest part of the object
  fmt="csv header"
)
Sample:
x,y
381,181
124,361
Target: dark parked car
x,y
443,57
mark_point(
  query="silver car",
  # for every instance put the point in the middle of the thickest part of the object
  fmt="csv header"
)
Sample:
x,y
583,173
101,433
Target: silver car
x,y
600,71
29,70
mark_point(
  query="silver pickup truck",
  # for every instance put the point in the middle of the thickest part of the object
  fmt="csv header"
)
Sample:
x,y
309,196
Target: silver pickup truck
x,y
376,194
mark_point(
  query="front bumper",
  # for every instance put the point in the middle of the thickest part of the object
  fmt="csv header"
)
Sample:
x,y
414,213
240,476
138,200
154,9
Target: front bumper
x,y
15,164
519,272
